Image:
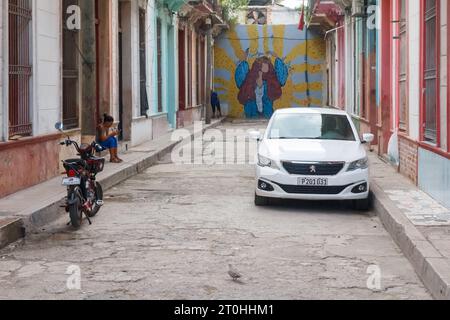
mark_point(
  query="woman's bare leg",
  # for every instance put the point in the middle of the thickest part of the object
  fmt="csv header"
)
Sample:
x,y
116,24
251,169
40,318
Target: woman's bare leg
x,y
116,157
113,154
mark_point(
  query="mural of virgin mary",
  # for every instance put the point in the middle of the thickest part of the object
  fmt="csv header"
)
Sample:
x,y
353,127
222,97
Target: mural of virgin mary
x,y
261,86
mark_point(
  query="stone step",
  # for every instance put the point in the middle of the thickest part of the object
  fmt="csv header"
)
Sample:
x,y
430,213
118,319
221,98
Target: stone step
x,y
124,146
11,230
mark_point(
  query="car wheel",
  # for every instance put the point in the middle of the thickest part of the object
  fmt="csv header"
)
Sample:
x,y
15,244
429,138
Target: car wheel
x,y
361,205
261,201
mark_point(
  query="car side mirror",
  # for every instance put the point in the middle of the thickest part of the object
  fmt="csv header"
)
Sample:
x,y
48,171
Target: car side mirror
x,y
255,135
368,138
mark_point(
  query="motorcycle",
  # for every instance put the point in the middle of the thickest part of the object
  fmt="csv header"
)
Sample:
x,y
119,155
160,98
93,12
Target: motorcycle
x,y
84,193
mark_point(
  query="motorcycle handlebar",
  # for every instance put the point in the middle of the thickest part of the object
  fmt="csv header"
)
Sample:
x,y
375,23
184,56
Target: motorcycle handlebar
x,y
69,142
94,145
97,147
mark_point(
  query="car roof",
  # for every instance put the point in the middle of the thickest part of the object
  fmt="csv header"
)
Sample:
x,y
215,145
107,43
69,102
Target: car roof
x,y
323,110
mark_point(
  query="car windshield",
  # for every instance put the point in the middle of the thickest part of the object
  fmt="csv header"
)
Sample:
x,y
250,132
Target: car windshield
x,y
311,126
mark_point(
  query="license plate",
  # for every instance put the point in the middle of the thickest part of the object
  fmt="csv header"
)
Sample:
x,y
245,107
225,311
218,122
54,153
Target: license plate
x,y
71,181
323,182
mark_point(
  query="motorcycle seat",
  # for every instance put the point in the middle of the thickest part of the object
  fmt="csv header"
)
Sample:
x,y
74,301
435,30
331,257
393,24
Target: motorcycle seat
x,y
75,162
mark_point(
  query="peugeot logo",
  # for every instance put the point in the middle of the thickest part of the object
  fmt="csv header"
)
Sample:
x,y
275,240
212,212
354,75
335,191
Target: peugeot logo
x,y
312,169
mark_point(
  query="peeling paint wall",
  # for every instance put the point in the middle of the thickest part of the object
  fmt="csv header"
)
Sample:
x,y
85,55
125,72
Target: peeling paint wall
x,y
289,60
33,159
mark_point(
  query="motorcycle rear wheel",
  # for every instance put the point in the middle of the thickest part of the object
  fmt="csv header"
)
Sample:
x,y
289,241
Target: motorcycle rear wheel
x,y
75,212
98,197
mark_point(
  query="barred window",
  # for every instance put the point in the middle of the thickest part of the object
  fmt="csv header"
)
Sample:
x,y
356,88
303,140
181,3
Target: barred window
x,y
20,67
403,108
430,72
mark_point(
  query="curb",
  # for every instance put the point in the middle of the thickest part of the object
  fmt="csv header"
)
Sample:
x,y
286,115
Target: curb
x,y
431,267
15,228
11,229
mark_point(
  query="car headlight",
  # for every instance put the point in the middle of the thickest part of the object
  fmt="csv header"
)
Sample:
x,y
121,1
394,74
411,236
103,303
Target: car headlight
x,y
359,164
266,162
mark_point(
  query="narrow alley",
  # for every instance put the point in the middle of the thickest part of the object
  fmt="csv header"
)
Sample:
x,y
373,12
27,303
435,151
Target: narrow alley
x,y
224,149
170,233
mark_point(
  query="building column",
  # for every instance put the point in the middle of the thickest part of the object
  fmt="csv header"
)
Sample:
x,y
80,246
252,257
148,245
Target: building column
x,y
105,59
89,83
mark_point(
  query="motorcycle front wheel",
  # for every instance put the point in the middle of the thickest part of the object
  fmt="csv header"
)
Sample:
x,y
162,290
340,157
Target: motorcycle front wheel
x,y
75,212
98,197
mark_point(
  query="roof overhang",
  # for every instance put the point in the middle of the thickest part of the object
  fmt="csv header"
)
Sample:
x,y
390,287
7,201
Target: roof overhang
x,y
196,13
325,15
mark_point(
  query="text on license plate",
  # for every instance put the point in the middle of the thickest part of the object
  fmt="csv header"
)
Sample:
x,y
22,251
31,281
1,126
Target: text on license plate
x,y
313,182
71,181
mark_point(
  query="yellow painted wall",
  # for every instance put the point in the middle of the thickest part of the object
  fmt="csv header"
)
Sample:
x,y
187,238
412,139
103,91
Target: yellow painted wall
x,y
303,58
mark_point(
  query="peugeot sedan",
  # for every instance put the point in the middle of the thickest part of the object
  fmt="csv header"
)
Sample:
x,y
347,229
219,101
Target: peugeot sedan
x,y
312,154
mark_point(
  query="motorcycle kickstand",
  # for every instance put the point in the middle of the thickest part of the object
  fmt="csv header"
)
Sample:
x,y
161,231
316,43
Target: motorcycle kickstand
x,y
89,220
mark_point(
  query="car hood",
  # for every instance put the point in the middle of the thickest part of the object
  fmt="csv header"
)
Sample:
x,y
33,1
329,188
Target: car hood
x,y
312,150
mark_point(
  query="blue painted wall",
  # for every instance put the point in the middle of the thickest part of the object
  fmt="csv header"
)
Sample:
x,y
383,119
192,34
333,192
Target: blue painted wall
x,y
434,176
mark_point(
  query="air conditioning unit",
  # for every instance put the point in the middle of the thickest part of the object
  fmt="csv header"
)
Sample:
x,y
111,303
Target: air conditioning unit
x,y
358,8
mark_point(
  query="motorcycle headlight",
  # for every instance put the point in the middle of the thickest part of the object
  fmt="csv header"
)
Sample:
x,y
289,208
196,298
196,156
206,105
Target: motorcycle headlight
x,y
266,162
359,164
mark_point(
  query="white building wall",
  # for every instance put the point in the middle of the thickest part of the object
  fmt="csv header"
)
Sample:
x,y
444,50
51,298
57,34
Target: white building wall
x,y
142,127
349,65
443,73
151,55
395,67
283,15
47,81
414,67
276,14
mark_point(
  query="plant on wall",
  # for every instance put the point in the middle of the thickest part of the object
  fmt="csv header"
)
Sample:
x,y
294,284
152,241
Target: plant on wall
x,y
231,8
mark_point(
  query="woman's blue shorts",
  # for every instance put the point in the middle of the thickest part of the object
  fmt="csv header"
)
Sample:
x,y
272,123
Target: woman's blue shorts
x,y
111,143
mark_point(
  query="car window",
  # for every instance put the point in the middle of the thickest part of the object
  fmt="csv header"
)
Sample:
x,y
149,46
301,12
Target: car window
x,y
311,126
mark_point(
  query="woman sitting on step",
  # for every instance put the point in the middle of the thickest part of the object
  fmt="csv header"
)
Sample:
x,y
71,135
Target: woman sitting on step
x,y
107,137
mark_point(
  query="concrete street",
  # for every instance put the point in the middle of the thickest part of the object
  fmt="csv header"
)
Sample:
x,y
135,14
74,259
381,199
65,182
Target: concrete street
x,y
171,232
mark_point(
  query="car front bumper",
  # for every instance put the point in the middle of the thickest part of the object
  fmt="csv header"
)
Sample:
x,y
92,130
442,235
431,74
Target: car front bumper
x,y
285,185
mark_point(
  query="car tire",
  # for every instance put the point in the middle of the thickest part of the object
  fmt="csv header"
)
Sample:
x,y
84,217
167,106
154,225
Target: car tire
x,y
261,201
361,205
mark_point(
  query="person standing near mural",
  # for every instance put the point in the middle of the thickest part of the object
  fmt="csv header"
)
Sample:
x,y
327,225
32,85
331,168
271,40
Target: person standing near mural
x,y
215,104
260,86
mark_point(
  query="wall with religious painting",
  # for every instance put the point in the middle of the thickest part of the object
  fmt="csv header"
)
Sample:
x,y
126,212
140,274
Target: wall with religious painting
x,y
262,68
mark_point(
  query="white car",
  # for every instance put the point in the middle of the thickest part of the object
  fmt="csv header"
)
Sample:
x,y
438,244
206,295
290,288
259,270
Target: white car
x,y
312,154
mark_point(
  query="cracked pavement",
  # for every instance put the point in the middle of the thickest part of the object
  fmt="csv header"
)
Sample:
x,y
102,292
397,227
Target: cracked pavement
x,y
170,233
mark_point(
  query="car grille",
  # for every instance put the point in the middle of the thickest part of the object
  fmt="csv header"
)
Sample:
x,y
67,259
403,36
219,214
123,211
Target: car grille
x,y
314,169
313,189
